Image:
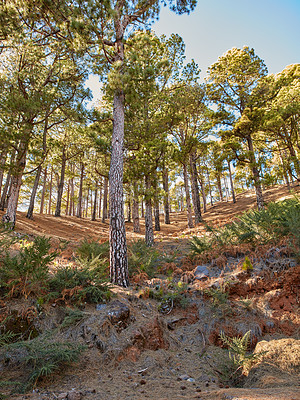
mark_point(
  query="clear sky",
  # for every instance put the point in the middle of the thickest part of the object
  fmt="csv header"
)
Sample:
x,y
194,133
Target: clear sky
x,y
271,27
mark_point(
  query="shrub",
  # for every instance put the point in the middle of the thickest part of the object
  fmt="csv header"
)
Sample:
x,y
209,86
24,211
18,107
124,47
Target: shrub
x,y
142,258
27,271
41,357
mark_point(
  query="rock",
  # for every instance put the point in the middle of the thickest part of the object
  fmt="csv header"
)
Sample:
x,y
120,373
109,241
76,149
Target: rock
x,y
191,380
74,395
201,273
184,377
118,312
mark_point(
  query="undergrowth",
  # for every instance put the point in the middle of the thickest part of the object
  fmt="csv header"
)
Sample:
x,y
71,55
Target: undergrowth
x,y
277,220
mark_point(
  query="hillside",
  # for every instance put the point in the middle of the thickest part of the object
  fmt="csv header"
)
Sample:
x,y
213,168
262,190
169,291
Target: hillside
x,y
160,339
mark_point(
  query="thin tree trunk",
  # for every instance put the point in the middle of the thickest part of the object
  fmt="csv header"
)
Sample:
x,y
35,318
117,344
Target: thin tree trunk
x,y
33,193
195,190
43,192
149,236
105,195
95,204
100,201
231,182
79,204
2,164
166,196
219,184
87,202
61,183
201,181
187,197
135,210
156,214
209,186
129,208
117,233
68,199
255,173
5,191
50,191
16,182
142,209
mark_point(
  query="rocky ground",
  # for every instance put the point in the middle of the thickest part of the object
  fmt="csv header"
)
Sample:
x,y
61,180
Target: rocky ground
x,y
141,346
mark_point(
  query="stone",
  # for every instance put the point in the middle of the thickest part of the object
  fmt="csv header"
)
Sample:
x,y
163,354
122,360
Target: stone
x,y
184,377
201,273
118,312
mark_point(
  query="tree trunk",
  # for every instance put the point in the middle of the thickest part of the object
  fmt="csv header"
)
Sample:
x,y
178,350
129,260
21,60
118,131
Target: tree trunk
x,y
68,199
100,200
135,210
156,214
87,202
219,184
105,195
95,204
16,182
255,174
149,236
187,196
79,204
117,234
2,164
61,183
195,190
5,191
50,191
166,196
231,182
202,185
129,209
43,192
33,193
142,209
209,186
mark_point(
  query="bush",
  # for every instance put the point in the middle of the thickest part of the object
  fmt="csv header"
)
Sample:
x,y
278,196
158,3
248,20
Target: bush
x,y
277,220
142,258
27,272
41,357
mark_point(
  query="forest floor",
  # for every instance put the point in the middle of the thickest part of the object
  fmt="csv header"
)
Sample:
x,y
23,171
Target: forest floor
x,y
138,350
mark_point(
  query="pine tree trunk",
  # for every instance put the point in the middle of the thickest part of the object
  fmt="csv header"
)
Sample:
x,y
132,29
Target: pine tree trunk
x,y
61,183
50,191
209,187
79,204
68,199
187,196
105,195
72,203
156,214
219,184
142,209
231,182
195,190
43,192
5,191
87,202
201,181
135,210
16,182
255,174
166,196
33,193
117,234
2,164
95,204
129,209
100,201
149,236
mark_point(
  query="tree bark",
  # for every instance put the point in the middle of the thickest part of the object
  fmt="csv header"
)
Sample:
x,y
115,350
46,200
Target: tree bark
x,y
2,164
105,195
117,234
255,174
149,236
16,182
156,214
166,196
43,192
231,183
33,193
195,190
135,210
50,191
61,183
187,197
79,204
209,186
5,191
93,218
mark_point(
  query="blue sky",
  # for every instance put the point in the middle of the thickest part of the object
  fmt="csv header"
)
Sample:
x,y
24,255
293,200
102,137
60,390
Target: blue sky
x,y
271,27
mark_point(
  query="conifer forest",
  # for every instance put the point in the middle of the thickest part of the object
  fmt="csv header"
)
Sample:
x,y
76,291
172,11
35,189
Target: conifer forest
x,y
183,191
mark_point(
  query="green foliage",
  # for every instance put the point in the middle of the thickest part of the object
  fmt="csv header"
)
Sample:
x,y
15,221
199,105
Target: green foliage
x,y
247,265
79,284
42,357
142,258
272,223
72,317
242,360
27,271
90,249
